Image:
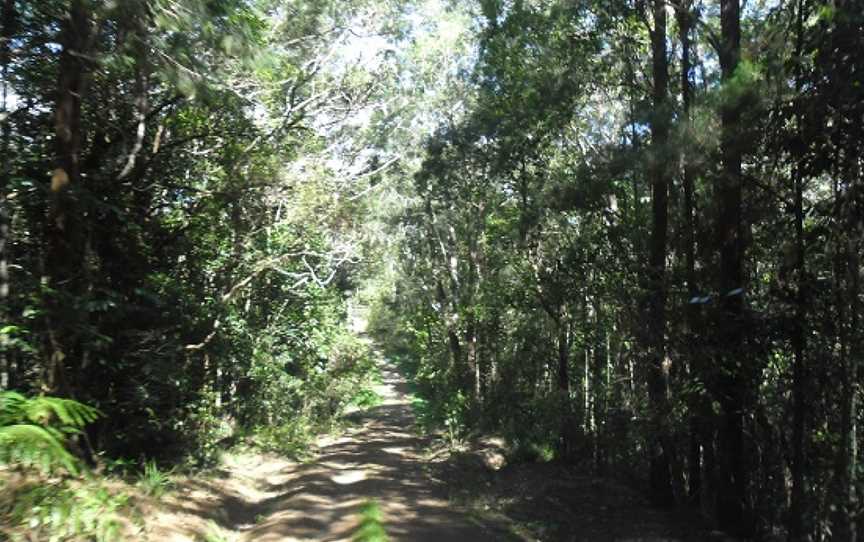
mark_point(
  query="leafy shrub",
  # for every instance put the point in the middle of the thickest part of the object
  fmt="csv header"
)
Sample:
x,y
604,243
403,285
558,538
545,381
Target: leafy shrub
x,y
444,412
205,425
214,534
294,398
366,398
526,451
291,439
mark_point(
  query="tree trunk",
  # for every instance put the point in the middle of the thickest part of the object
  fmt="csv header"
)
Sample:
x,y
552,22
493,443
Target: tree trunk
x,y
845,526
733,474
600,390
847,277
446,304
63,236
658,369
7,32
472,330
566,443
473,358
797,514
838,58
684,15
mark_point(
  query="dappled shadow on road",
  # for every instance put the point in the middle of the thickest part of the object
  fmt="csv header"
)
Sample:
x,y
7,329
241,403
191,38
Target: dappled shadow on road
x,y
378,459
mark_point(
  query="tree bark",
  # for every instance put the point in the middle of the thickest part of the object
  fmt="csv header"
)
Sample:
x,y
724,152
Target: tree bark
x,y
658,370
566,443
63,236
847,273
446,303
7,32
600,390
797,514
473,326
733,473
684,15
838,58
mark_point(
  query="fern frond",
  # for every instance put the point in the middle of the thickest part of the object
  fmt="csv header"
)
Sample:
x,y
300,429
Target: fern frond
x,y
71,413
33,430
35,446
11,407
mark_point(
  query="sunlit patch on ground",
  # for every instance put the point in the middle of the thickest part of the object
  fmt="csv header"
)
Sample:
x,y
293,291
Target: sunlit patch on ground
x,y
350,477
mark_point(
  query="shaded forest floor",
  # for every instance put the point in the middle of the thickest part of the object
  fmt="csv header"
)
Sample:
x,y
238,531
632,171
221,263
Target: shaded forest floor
x,y
423,492
556,502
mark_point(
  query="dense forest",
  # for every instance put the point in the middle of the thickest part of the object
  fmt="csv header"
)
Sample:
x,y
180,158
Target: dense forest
x,y
622,235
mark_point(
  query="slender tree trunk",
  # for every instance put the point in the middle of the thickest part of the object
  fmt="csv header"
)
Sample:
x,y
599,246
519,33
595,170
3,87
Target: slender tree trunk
x,y
600,390
63,237
7,32
840,61
472,331
684,15
658,371
732,395
845,528
564,384
587,400
855,352
492,349
797,514
473,360
847,277
446,304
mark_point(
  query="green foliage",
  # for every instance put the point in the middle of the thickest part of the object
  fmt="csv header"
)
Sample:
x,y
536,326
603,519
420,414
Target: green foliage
x,y
214,534
33,430
452,413
371,527
366,398
438,406
214,291
294,398
205,426
119,466
291,439
531,426
522,450
154,481
70,510
31,445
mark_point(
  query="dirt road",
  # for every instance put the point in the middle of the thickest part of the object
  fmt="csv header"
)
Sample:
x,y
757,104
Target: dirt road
x,y
268,500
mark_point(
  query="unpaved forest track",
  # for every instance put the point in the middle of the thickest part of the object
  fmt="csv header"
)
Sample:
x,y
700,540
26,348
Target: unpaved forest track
x,y
378,459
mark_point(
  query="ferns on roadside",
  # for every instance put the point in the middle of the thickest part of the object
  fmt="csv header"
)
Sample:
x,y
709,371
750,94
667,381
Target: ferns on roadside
x,y
154,481
33,430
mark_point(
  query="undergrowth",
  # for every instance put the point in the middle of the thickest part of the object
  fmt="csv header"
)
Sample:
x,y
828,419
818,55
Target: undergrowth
x,y
300,409
56,498
74,509
153,481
